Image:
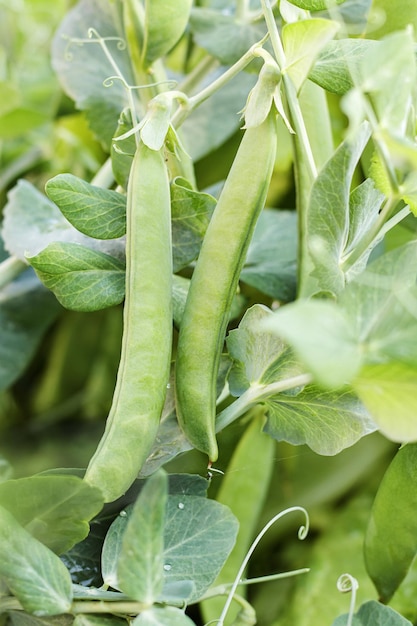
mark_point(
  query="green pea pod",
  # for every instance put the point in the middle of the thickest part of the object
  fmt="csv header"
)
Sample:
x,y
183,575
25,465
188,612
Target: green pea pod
x,y
391,536
147,336
214,284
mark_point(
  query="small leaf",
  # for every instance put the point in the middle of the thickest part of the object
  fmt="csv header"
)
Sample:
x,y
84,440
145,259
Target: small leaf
x,y
140,565
34,574
98,620
313,5
388,392
191,211
303,41
327,421
20,618
391,536
54,509
96,212
81,279
165,22
258,354
162,616
338,64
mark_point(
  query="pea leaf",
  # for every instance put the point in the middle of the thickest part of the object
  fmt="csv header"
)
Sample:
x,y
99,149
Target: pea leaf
x,y
327,421
34,574
259,355
312,5
140,564
339,63
332,218
198,537
82,66
20,618
21,326
96,212
373,612
54,509
32,221
223,36
388,391
391,539
163,616
322,336
165,22
303,40
81,279
191,211
271,261
98,620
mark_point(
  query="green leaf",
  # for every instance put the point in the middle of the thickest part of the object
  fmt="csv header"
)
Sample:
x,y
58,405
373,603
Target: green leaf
x,y
327,421
96,212
222,35
396,16
21,326
323,338
180,287
81,279
140,564
199,536
19,121
374,613
338,64
271,261
313,5
328,215
32,221
259,355
163,616
165,22
20,618
388,392
34,574
54,509
191,211
391,535
388,76
83,67
98,620
303,41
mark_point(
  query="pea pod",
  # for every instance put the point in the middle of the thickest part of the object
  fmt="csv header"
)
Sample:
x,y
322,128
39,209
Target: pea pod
x,y
391,536
147,335
214,284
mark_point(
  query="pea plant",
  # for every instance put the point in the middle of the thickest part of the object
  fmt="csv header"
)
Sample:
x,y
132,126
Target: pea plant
x,y
229,274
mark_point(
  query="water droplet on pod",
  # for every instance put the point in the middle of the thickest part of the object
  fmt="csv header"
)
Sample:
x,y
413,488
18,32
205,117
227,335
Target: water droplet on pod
x,y
122,513
181,505
167,567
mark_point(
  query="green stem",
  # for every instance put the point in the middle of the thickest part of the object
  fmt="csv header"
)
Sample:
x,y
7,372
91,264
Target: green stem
x,y
100,606
197,74
10,269
242,9
204,94
256,394
19,166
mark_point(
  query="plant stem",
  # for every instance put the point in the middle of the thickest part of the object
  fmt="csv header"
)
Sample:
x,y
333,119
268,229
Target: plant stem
x,y
100,606
197,74
104,177
256,394
204,94
242,9
10,269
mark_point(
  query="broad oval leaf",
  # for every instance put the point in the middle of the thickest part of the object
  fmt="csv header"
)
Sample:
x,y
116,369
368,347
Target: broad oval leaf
x,y
374,613
327,421
82,279
94,211
54,509
391,535
32,572
313,5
